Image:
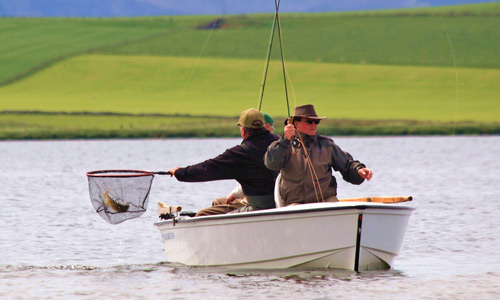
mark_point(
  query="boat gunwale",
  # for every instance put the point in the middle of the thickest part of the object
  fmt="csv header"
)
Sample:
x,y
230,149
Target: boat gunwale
x,y
280,211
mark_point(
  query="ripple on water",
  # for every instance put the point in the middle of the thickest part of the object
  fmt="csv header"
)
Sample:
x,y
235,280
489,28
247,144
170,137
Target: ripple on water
x,y
54,245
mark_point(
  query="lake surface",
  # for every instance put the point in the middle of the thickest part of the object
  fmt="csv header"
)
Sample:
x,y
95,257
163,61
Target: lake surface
x,y
54,246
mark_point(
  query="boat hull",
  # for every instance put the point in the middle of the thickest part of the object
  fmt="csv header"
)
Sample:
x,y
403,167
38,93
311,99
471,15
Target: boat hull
x,y
353,236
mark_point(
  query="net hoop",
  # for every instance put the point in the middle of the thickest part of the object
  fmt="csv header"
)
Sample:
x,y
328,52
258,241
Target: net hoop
x,y
121,173
120,195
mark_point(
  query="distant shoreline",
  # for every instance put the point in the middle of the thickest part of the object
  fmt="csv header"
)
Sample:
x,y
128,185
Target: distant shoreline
x,y
39,125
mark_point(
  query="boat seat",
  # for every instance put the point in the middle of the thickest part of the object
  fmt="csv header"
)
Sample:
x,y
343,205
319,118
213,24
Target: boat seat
x,y
277,195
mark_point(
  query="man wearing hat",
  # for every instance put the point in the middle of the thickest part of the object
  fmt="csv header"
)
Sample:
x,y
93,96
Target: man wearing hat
x,y
243,162
306,159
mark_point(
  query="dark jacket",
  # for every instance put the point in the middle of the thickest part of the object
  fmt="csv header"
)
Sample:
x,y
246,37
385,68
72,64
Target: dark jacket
x,y
244,163
297,185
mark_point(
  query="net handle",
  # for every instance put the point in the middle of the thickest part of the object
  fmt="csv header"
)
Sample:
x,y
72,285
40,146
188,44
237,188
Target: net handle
x,y
163,173
128,173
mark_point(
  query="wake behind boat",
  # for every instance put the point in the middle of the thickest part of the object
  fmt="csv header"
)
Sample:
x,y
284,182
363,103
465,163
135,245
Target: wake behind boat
x,y
333,235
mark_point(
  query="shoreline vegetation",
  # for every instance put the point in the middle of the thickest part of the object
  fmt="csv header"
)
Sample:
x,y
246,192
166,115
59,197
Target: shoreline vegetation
x,y
36,125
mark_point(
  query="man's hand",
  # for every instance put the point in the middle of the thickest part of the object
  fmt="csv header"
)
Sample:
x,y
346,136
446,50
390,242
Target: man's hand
x,y
172,171
289,131
230,198
365,173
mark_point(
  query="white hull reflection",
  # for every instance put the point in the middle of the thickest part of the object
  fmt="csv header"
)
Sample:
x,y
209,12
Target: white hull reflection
x,y
354,236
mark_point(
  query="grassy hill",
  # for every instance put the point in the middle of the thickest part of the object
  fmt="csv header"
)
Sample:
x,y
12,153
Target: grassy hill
x,y
28,45
422,71
426,37
225,87
402,37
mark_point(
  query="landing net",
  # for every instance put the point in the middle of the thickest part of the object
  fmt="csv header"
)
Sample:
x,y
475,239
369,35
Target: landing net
x,y
119,195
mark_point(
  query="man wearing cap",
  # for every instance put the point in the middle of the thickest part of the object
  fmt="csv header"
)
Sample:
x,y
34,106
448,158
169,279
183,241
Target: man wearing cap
x,y
243,162
306,159
237,196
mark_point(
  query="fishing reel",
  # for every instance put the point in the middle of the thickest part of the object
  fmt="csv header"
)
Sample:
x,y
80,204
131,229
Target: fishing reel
x,y
296,143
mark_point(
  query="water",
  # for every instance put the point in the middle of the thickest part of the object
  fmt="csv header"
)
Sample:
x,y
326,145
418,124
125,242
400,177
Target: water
x,y
54,246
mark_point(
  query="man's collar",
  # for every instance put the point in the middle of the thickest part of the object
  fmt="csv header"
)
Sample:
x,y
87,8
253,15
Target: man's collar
x,y
309,139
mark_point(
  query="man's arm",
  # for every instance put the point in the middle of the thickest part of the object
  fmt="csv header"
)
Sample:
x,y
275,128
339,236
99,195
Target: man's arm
x,y
220,167
277,154
346,165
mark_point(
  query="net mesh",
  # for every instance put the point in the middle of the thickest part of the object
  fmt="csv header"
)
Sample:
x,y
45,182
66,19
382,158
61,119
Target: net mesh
x,y
119,195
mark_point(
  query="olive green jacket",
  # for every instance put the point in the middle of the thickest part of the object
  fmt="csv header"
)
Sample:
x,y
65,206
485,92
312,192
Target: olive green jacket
x,y
297,185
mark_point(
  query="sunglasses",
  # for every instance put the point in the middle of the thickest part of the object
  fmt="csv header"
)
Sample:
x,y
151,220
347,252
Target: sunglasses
x,y
309,122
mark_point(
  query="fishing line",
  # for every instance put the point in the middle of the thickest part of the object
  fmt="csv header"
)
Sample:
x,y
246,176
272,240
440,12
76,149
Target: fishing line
x,y
314,175
456,72
293,90
194,67
309,164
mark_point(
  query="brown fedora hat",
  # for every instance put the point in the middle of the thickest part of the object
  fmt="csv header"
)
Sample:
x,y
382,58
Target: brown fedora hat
x,y
306,111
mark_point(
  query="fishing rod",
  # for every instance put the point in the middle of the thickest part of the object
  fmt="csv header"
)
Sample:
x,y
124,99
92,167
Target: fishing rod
x,y
276,20
276,2
266,64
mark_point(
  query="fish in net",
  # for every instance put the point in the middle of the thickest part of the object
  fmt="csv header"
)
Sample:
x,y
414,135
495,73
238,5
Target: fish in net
x,y
120,195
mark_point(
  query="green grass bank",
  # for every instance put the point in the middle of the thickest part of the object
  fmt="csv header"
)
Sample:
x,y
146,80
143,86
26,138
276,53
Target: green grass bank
x,y
46,125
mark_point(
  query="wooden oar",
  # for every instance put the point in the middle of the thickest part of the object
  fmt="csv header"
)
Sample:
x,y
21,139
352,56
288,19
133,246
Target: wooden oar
x,y
378,199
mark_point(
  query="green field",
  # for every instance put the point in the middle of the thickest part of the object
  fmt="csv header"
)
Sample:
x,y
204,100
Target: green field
x,y
431,40
225,87
28,45
420,71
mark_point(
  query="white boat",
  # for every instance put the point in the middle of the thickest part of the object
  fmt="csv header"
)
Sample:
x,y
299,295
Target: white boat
x,y
334,235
